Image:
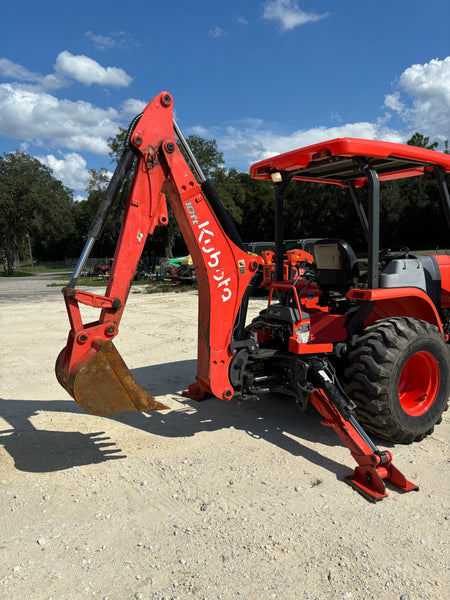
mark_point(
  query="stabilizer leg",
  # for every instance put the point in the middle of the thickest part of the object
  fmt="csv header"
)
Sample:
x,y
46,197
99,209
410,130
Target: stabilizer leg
x,y
375,466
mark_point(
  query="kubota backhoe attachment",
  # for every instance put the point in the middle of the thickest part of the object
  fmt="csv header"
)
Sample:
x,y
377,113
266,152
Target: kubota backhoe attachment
x,y
89,367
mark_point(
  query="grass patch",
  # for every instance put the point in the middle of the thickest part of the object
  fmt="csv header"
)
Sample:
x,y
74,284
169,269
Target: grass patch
x,y
84,281
19,273
157,287
27,271
165,286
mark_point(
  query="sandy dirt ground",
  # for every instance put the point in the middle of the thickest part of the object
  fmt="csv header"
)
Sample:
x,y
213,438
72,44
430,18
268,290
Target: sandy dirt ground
x,y
209,500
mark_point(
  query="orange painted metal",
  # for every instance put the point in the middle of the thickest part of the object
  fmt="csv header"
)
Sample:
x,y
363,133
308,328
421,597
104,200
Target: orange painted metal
x,y
373,468
398,302
443,262
342,148
223,274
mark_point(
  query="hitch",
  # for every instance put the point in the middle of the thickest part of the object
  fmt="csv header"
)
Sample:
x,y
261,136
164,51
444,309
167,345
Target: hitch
x,y
374,466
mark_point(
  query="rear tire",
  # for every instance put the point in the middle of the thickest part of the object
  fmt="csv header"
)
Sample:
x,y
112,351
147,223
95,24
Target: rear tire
x,y
399,379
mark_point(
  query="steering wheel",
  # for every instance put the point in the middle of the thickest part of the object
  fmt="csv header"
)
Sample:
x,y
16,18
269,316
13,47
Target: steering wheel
x,y
387,254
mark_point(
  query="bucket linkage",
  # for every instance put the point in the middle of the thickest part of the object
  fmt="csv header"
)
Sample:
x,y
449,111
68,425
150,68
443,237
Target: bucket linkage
x,y
90,367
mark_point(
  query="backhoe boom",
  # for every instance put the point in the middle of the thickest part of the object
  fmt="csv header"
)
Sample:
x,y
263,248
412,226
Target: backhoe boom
x,y
223,270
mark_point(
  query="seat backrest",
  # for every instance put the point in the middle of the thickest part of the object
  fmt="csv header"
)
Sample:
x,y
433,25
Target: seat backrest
x,y
336,263
417,270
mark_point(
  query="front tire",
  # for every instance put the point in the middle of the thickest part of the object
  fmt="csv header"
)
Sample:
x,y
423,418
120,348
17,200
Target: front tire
x,y
399,379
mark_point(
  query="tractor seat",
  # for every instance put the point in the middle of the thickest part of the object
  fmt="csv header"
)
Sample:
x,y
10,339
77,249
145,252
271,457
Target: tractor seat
x,y
337,265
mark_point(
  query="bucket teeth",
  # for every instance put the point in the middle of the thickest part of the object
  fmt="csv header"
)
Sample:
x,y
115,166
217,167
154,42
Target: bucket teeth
x,y
104,385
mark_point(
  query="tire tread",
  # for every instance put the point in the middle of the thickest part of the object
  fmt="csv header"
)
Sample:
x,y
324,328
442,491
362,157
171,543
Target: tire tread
x,y
369,373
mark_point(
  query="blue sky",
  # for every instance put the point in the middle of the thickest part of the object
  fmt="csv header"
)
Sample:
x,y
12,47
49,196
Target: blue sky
x,y
259,76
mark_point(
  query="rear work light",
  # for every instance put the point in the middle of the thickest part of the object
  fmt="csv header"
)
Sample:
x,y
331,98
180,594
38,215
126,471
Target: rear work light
x,y
276,177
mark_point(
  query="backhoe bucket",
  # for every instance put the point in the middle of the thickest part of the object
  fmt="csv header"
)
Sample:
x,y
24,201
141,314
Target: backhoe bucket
x,y
103,385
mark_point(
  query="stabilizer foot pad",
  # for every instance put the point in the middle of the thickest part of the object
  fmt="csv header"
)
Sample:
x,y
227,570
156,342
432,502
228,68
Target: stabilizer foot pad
x,y
369,481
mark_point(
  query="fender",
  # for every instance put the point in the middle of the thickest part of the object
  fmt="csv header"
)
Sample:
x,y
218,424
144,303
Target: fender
x,y
398,302
443,261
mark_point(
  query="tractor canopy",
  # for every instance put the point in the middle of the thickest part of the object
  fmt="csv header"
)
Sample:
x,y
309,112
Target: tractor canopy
x,y
344,160
352,163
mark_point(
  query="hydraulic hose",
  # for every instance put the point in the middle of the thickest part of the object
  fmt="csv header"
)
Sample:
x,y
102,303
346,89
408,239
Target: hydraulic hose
x,y
120,174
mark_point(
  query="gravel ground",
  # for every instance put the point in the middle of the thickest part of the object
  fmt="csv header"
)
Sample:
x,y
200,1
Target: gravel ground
x,y
209,500
28,289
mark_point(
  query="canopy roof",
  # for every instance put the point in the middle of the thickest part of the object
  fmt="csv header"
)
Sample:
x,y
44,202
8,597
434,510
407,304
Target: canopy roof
x,y
343,160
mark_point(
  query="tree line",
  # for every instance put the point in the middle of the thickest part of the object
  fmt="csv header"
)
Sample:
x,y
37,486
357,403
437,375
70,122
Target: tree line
x,y
37,210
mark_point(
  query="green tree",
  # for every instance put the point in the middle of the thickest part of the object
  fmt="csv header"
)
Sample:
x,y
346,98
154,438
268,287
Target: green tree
x,y
211,163
98,180
116,144
422,141
85,211
207,155
321,210
251,203
411,211
167,240
34,203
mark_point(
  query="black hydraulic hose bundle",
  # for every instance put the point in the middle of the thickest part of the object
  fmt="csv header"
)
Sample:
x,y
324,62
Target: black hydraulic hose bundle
x,y
120,174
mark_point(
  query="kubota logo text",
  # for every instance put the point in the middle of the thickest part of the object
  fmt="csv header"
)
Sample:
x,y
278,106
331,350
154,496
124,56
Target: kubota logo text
x,y
205,240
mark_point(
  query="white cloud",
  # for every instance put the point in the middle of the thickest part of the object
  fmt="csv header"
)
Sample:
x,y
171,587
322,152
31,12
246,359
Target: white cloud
x,y
216,32
64,129
68,67
253,140
132,107
429,86
12,70
392,101
8,68
201,131
428,80
422,102
334,116
88,71
113,40
32,115
101,41
43,119
288,14
71,169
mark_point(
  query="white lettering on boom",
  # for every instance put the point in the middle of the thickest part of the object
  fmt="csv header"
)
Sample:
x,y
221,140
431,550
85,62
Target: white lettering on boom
x,y
206,242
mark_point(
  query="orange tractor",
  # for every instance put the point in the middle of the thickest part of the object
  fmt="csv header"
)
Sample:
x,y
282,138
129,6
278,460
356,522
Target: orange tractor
x,y
367,345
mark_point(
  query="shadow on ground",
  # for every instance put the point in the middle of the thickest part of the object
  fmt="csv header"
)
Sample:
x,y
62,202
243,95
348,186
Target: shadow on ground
x,y
273,418
42,451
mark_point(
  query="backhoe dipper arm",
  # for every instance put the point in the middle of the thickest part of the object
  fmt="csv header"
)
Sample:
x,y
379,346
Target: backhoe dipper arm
x,y
223,271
